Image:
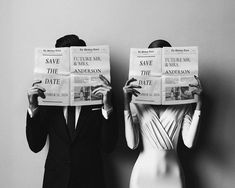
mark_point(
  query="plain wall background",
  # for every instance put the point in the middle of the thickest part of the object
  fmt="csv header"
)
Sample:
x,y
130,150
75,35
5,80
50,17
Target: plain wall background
x,y
121,24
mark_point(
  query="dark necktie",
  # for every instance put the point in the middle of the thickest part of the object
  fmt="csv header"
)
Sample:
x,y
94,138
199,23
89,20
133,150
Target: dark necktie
x,y
71,121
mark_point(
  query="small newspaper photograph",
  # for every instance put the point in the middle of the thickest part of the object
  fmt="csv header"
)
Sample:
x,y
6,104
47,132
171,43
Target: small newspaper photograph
x,y
164,74
176,90
69,75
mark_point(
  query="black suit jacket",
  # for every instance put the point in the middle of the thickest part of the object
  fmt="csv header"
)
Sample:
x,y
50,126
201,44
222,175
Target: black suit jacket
x,y
76,163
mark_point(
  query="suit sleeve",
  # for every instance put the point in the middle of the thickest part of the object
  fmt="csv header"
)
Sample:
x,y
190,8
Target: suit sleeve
x,y
36,130
109,132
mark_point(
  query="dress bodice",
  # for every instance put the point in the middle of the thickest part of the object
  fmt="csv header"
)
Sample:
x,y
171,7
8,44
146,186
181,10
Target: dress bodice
x,y
159,124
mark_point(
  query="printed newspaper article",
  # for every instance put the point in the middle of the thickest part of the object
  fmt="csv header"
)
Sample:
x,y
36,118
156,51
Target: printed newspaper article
x,y
87,63
145,66
52,68
69,75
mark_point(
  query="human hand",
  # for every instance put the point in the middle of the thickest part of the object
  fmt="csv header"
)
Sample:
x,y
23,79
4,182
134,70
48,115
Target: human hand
x,y
197,91
129,90
105,90
33,93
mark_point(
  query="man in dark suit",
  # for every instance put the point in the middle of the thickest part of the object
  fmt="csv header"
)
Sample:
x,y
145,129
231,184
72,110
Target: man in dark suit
x,y
74,156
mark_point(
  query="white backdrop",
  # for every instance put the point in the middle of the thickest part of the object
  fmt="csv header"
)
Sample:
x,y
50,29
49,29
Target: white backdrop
x,y
121,24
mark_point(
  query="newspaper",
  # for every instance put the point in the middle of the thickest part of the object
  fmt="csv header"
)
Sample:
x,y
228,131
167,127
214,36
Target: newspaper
x,y
179,65
87,63
69,75
164,74
145,66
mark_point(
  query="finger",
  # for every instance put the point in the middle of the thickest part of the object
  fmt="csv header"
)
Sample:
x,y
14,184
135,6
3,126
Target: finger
x,y
131,90
198,81
129,81
193,92
196,91
36,82
193,85
134,86
39,87
136,93
128,90
33,91
103,85
104,80
41,94
99,93
36,92
100,89
98,86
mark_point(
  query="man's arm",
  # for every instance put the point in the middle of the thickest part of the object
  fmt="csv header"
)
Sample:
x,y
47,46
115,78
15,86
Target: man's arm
x,y
109,130
36,130
36,122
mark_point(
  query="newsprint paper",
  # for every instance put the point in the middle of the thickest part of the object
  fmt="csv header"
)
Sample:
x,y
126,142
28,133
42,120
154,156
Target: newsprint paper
x,y
164,74
69,75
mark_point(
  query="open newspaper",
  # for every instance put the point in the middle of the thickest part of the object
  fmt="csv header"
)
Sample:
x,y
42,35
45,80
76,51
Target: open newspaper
x,y
164,74
69,75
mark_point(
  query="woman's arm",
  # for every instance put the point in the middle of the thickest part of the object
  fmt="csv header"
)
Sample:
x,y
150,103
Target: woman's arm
x,y
189,129
191,119
131,125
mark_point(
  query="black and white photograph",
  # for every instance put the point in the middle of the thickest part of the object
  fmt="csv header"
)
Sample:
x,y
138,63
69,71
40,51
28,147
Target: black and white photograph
x,y
179,93
117,94
80,93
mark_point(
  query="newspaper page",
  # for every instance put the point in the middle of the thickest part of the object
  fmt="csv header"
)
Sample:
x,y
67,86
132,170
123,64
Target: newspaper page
x,y
145,66
52,68
86,64
179,65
